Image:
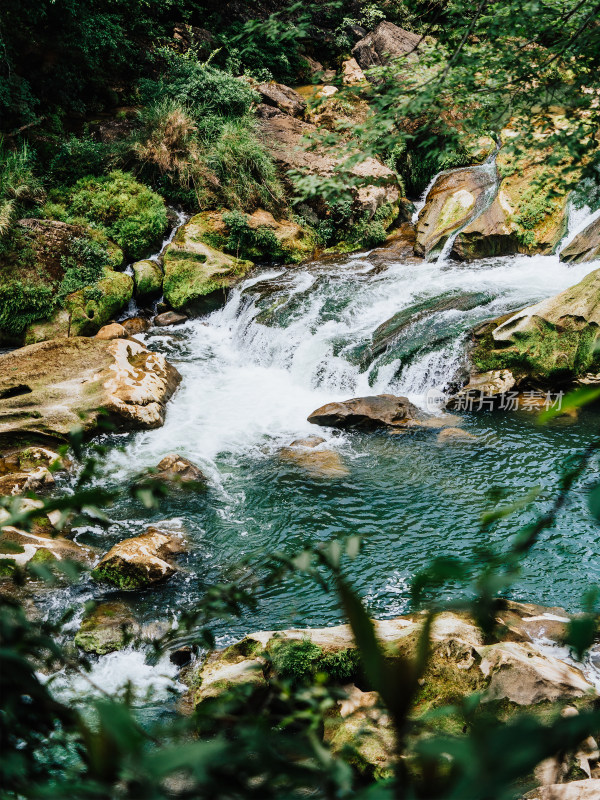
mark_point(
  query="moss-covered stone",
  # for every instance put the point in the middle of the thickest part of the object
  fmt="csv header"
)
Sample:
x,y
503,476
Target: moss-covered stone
x,y
194,269
147,278
108,627
86,310
551,342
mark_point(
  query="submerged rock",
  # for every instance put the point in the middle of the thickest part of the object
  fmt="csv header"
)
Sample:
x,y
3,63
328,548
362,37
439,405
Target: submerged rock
x,y
549,342
48,389
108,627
585,246
455,436
175,470
378,411
305,453
194,269
140,561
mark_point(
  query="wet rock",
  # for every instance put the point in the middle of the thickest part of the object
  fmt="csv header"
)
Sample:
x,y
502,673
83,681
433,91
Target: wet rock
x,y
550,342
169,318
282,97
112,331
481,387
378,411
519,673
305,453
528,214
194,270
48,389
574,790
181,656
21,548
352,74
527,622
456,436
136,325
400,246
450,203
36,480
585,246
108,627
386,43
147,279
176,470
140,561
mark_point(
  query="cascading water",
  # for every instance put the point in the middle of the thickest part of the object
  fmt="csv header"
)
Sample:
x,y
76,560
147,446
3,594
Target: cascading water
x,y
289,340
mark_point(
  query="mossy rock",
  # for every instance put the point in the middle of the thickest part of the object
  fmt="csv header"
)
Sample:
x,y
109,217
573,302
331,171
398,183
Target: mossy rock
x,y
147,278
107,628
551,342
87,310
195,270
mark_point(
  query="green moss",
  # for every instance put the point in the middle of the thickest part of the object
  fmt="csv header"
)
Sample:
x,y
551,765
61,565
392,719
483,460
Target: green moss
x,y
124,576
299,660
7,567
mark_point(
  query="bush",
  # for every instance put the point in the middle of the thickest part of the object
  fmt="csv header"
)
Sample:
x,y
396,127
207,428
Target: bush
x,y
19,186
205,90
83,266
22,304
78,158
132,215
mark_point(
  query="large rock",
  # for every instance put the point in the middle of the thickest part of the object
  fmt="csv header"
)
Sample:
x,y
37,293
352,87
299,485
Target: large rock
x,y
47,389
450,203
267,239
378,411
518,672
140,561
549,342
585,246
288,140
386,43
194,269
176,471
282,97
528,214
23,548
574,790
108,627
87,310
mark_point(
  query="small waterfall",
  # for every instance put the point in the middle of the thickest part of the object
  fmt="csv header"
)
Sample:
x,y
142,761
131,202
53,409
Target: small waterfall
x,y
579,219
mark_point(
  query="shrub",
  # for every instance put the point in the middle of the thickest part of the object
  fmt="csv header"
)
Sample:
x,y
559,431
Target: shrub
x,y
83,266
78,158
22,304
132,215
19,186
250,243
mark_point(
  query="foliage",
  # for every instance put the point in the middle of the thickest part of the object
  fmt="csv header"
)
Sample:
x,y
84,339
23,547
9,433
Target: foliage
x,y
19,185
22,304
83,266
80,157
130,213
250,243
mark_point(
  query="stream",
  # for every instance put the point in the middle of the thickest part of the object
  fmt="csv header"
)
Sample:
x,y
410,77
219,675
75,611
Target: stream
x,y
289,340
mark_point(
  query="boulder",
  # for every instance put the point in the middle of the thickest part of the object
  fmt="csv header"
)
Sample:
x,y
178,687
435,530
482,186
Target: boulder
x,y
288,141
352,74
450,203
481,389
282,97
35,480
169,318
112,331
175,470
108,627
585,246
518,672
379,411
194,269
528,214
309,456
574,790
136,325
140,561
386,43
277,240
21,548
147,278
50,388
549,342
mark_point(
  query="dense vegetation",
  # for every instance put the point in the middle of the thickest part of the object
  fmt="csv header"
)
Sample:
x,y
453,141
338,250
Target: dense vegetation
x,y
107,119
